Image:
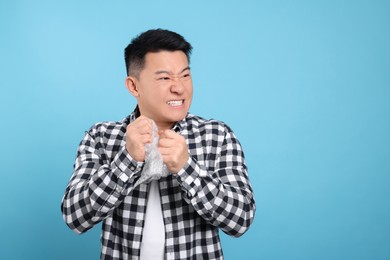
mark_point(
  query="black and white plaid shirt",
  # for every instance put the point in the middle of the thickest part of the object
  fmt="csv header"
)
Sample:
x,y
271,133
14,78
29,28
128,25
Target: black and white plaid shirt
x,y
212,191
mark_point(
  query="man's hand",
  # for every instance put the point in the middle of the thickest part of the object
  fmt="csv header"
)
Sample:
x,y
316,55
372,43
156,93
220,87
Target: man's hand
x,y
173,149
139,133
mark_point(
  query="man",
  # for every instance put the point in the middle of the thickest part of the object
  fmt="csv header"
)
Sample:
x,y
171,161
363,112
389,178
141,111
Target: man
x,y
207,188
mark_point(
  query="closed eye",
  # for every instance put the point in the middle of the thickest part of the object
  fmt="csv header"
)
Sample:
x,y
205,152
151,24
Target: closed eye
x,y
164,78
186,76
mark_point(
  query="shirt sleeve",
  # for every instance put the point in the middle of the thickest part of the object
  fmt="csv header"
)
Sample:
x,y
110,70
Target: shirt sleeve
x,y
223,195
97,185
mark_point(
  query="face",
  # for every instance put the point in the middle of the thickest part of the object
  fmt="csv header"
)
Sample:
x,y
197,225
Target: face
x,y
163,88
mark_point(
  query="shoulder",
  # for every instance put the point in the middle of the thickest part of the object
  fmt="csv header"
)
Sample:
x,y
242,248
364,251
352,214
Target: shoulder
x,y
197,123
109,128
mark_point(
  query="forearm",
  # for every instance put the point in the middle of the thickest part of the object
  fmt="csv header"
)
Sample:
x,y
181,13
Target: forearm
x,y
222,197
96,189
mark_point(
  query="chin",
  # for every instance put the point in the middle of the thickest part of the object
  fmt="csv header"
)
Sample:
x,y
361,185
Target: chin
x,y
177,117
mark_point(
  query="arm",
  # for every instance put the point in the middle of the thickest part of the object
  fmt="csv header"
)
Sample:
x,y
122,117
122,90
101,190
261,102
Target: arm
x,y
97,185
223,195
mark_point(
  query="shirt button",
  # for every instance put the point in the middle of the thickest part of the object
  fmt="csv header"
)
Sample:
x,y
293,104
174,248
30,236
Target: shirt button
x,y
132,168
118,189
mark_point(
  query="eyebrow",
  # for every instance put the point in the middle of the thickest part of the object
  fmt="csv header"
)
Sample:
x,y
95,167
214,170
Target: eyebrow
x,y
170,72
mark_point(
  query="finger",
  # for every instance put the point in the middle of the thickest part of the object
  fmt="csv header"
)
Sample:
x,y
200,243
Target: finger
x,y
146,138
160,133
142,126
138,124
166,143
169,134
143,122
165,152
145,129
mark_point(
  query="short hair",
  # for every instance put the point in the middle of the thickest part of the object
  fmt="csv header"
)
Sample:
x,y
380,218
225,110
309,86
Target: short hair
x,y
155,40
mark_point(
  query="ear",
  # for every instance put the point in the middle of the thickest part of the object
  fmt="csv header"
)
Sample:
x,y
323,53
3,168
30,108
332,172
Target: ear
x,y
131,85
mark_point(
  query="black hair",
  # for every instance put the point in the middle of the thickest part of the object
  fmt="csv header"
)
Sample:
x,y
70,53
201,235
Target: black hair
x,y
153,41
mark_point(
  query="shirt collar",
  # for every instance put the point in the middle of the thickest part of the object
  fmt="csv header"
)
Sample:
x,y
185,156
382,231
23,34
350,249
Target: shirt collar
x,y
179,126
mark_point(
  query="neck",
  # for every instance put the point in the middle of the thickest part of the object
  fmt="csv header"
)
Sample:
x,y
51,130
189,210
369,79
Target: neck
x,y
164,126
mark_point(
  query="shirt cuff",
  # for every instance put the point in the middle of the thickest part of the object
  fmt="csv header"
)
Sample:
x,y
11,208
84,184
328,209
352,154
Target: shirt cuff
x,y
126,168
189,175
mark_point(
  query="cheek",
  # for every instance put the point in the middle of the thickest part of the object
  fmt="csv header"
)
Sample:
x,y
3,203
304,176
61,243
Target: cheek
x,y
156,98
189,88
191,92
152,93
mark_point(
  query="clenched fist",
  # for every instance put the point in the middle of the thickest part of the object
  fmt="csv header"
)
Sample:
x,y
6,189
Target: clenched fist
x,y
173,149
139,133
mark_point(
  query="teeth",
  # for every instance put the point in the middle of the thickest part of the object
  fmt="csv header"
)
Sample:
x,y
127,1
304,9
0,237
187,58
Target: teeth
x,y
175,102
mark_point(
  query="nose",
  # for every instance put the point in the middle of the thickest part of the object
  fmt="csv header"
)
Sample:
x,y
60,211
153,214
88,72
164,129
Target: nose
x,y
177,86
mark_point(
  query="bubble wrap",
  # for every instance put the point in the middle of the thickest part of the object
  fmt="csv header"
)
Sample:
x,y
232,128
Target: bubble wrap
x,y
154,168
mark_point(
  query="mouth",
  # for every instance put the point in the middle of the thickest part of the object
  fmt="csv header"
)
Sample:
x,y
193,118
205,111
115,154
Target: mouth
x,y
175,103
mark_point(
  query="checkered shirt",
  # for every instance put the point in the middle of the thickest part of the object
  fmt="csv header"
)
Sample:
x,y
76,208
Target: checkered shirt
x,y
211,192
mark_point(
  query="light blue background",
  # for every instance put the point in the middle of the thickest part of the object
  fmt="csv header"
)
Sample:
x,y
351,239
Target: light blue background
x,y
304,84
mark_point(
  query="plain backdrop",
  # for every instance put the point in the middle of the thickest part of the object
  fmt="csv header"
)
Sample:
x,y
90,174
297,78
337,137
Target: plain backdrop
x,y
305,85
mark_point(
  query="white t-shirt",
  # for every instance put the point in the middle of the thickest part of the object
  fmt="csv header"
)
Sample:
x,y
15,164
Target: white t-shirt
x,y
153,237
